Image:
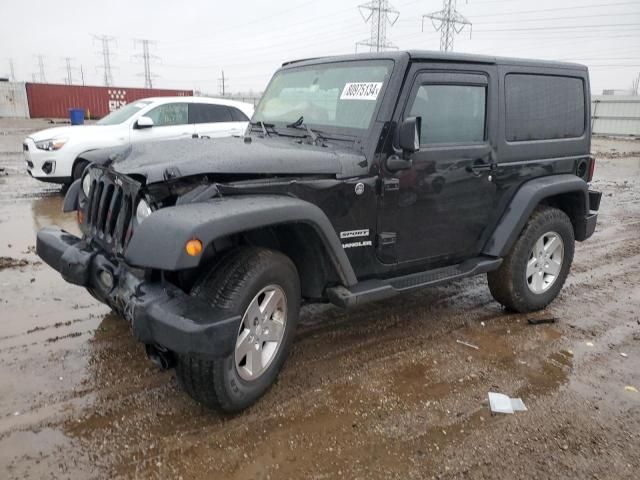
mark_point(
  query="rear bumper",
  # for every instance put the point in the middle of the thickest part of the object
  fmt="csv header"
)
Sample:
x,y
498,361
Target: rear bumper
x,y
587,225
159,313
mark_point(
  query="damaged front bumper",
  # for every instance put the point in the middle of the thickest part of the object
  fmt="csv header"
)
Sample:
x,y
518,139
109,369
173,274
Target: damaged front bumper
x,y
159,313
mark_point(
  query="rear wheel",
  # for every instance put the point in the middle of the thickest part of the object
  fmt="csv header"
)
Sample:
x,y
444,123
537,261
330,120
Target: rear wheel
x,y
534,271
261,286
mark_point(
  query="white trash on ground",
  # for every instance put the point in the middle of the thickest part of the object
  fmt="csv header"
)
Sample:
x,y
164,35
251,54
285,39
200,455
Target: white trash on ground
x,y
501,403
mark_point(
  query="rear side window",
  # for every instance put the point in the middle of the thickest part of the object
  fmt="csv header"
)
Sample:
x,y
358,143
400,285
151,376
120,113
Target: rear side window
x,y
208,113
450,113
237,115
543,107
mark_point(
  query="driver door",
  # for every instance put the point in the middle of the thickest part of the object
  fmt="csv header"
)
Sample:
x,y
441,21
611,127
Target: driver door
x,y
438,211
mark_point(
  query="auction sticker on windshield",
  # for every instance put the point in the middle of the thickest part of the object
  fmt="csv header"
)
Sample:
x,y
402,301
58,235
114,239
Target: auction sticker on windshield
x,y
361,91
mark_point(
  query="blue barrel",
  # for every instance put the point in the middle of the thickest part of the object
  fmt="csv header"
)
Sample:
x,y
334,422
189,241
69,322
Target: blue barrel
x,y
76,115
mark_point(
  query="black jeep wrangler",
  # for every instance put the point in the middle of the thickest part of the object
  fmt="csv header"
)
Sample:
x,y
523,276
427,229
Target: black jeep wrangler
x,y
358,178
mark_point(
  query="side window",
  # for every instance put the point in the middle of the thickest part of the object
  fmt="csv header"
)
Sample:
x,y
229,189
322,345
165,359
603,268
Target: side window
x,y
543,107
169,114
451,113
208,113
237,115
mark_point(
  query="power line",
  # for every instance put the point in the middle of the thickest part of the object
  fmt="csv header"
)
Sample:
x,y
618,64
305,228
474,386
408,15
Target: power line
x,y
262,44
147,57
42,78
572,17
105,41
380,14
519,12
449,22
560,27
234,27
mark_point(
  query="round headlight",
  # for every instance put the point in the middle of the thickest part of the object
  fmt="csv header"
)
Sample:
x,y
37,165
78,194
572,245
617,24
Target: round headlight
x,y
142,211
86,184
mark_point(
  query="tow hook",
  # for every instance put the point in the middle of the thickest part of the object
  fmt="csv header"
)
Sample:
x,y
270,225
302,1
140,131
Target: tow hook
x,y
160,356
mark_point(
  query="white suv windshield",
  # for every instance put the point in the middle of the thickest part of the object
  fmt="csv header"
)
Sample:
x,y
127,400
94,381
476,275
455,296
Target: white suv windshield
x,y
122,114
340,96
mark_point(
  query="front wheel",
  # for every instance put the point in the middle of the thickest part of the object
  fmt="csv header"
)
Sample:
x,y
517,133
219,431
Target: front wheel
x,y
534,271
78,169
263,287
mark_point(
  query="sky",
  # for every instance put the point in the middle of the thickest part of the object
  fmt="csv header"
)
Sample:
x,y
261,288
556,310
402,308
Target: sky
x,y
194,40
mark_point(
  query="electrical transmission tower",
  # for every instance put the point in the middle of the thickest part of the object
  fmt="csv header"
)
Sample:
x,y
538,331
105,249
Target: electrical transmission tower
x,y
105,41
69,78
12,70
449,22
42,78
635,85
147,58
224,86
381,14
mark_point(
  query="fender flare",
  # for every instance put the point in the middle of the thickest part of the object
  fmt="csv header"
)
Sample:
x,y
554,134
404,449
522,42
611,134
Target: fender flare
x,y
72,197
525,200
159,241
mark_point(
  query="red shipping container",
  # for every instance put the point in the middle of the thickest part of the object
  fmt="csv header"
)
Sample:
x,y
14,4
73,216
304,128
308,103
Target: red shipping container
x,y
54,101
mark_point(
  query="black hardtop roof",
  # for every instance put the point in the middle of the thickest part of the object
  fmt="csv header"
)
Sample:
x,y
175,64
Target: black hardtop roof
x,y
427,55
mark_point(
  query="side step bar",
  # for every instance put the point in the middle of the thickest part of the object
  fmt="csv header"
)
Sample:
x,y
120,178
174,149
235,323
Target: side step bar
x,y
372,290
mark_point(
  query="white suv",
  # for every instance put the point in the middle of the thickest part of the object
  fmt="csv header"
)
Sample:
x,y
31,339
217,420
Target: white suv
x,y
53,155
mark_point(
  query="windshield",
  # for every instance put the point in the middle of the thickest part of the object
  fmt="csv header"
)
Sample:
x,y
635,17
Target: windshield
x,y
338,97
122,114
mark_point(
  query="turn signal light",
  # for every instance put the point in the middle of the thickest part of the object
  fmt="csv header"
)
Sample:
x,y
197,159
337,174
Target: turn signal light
x,y
193,247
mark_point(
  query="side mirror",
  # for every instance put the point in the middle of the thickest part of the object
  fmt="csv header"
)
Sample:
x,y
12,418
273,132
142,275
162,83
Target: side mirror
x,y
408,142
409,134
144,122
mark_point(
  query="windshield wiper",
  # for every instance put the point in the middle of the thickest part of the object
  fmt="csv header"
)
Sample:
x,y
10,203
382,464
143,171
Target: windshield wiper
x,y
264,126
299,123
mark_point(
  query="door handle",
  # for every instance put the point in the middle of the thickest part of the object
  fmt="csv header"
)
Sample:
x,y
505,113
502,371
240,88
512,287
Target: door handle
x,y
479,166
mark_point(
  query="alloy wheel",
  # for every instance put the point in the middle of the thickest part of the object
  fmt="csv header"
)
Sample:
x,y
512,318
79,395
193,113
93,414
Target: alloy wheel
x,y
261,332
545,262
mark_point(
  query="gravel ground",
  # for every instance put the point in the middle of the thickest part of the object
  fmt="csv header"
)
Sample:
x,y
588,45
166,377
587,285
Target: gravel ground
x,y
382,391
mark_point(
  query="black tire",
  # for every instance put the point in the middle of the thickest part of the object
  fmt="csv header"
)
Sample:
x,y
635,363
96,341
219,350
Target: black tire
x,y
231,285
508,284
78,169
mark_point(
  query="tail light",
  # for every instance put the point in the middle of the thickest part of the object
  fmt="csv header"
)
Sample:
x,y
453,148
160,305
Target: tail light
x,y
592,168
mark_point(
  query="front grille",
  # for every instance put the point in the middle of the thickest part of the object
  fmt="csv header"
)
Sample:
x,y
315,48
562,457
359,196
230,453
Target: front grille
x,y
109,211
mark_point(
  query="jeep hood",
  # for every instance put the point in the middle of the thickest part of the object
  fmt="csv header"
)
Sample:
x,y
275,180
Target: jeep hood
x,y
271,156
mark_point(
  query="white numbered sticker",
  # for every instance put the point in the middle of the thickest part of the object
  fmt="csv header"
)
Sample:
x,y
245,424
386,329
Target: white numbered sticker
x,y
361,91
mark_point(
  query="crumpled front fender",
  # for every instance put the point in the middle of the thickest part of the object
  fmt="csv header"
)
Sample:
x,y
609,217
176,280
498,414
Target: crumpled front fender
x,y
159,241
